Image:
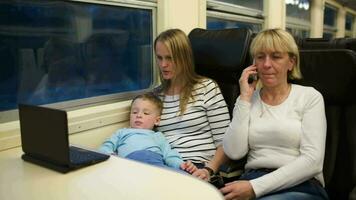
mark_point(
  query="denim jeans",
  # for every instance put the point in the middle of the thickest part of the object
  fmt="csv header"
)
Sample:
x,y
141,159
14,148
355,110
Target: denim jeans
x,y
308,190
151,158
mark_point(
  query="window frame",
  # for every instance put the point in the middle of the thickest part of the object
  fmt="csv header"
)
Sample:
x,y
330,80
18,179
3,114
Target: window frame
x,y
12,115
227,11
234,9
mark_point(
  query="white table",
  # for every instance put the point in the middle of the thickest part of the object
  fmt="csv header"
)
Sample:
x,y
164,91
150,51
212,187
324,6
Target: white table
x,y
116,179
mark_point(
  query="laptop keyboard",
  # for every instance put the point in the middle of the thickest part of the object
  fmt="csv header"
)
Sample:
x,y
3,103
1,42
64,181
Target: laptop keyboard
x,y
79,156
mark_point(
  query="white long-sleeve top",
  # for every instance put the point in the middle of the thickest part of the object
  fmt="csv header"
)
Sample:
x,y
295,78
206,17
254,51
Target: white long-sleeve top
x,y
289,137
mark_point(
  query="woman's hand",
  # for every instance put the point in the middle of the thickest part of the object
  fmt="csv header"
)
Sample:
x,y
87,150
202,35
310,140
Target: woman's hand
x,y
246,89
238,190
202,174
188,167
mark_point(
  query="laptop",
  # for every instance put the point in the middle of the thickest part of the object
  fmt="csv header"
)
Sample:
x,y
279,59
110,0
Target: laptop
x,y
44,137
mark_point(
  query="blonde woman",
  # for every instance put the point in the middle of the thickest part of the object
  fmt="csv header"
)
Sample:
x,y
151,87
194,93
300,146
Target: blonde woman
x,y
195,116
280,126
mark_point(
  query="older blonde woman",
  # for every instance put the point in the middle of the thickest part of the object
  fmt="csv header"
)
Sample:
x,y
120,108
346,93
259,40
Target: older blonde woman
x,y
279,125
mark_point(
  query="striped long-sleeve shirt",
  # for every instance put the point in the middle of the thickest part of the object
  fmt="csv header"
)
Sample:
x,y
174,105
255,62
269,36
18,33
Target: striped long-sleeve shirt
x,y
196,133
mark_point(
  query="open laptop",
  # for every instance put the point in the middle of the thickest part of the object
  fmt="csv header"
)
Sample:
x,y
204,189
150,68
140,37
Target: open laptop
x,y
44,137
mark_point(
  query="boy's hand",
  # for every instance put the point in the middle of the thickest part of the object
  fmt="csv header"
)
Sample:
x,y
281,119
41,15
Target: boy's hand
x,y
188,167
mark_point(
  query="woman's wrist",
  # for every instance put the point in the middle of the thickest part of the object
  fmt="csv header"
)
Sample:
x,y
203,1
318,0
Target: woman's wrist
x,y
210,171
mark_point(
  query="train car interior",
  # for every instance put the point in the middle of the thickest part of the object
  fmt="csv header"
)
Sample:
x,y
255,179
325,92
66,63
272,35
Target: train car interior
x,y
91,57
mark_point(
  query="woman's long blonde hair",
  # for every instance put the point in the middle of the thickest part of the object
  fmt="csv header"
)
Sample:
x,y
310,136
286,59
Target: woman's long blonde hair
x,y
180,49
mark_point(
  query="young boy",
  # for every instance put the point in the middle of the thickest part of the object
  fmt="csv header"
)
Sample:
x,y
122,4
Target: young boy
x,y
140,142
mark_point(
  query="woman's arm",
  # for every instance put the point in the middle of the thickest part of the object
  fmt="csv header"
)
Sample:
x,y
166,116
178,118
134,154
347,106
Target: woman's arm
x,y
216,111
235,142
236,137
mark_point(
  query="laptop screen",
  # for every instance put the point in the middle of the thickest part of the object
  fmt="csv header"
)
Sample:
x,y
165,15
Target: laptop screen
x,y
44,133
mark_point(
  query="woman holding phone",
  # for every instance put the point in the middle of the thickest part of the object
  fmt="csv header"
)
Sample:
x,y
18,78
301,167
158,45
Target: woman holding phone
x,y
279,125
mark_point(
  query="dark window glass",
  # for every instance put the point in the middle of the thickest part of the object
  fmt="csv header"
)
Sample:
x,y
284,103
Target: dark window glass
x,y
349,21
217,23
300,9
329,15
53,51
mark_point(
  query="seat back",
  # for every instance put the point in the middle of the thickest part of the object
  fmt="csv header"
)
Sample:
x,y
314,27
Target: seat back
x,y
222,55
323,43
333,73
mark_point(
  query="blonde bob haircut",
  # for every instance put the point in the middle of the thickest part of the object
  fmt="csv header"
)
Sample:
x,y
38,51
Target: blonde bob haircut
x,y
278,40
180,49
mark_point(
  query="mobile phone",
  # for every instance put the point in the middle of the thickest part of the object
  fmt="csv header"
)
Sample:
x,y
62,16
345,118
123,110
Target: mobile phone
x,y
252,77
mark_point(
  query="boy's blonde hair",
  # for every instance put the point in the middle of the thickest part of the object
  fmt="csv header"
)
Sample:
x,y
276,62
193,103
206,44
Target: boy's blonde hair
x,y
151,97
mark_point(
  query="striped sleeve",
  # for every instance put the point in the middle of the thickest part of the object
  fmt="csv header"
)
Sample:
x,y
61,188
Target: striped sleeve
x,y
217,111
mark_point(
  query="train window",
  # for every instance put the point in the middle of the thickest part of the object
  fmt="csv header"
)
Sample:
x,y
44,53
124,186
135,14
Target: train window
x,y
233,14
61,51
298,9
349,21
298,17
330,14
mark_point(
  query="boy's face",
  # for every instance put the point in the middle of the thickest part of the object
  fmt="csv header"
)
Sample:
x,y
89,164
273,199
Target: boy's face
x,y
144,114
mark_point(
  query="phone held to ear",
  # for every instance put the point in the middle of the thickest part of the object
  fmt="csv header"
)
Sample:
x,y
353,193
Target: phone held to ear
x,y
252,78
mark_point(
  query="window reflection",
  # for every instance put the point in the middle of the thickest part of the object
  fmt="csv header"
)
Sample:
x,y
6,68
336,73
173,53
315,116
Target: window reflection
x,y
54,51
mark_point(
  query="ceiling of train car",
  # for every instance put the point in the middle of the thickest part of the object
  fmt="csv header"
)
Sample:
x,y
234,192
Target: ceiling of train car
x,y
349,3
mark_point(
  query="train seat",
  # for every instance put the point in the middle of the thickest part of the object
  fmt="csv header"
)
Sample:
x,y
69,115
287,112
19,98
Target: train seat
x,y
333,73
323,43
222,55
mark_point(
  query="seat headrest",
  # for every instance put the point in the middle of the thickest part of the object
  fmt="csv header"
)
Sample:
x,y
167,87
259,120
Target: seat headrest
x,y
332,72
345,43
323,43
222,50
